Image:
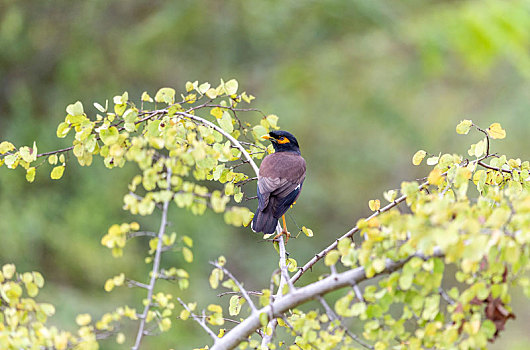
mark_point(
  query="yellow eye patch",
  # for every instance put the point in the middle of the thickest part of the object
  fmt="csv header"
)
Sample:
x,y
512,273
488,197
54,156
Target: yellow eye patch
x,y
283,140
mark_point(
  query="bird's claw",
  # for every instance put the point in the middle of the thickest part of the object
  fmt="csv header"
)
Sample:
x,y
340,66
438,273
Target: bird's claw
x,y
284,232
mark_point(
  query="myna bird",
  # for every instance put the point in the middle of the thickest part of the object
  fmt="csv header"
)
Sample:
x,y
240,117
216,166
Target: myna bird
x,y
280,180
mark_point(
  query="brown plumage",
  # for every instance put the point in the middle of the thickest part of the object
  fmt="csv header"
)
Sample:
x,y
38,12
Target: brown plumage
x,y
280,180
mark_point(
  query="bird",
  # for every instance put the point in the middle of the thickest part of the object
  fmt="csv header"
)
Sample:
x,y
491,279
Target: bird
x,y
280,180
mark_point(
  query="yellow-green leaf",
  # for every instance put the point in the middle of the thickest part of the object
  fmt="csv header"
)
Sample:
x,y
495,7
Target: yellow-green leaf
x,y
374,204
57,172
109,136
188,255
166,95
496,131
6,146
63,129
75,109
30,174
307,231
418,157
332,257
231,87
146,97
435,177
83,319
225,122
463,127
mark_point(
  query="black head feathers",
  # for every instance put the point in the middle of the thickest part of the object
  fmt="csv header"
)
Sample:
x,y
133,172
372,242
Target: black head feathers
x,y
283,141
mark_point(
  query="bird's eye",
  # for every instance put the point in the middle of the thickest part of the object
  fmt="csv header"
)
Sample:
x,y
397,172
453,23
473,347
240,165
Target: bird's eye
x,y
281,138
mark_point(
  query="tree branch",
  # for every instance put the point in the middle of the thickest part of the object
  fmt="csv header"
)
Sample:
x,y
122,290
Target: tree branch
x,y
155,270
225,134
348,234
301,295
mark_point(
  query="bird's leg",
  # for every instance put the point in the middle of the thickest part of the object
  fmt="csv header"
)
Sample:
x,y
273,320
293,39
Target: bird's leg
x,y
284,231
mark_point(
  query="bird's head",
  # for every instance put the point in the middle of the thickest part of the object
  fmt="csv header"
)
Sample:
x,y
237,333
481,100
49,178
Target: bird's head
x,y
283,141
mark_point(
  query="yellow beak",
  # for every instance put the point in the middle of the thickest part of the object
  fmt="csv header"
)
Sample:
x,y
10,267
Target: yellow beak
x,y
267,137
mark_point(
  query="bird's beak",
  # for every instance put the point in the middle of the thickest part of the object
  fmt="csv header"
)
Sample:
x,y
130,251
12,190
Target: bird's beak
x,y
267,137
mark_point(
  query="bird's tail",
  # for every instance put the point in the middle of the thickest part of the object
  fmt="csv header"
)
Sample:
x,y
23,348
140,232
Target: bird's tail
x,y
264,221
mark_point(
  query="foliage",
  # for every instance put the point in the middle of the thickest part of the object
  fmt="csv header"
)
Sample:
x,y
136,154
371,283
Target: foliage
x,y
24,321
469,216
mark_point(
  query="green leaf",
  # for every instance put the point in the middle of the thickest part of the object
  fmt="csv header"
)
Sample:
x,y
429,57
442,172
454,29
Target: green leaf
x,y
332,257
145,97
109,136
28,154
57,172
166,95
188,255
30,174
63,129
204,87
75,109
418,157
225,122
5,147
231,87
307,231
263,319
463,127
495,131
235,305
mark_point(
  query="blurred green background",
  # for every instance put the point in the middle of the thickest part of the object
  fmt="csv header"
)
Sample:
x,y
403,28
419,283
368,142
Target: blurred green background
x,y
362,84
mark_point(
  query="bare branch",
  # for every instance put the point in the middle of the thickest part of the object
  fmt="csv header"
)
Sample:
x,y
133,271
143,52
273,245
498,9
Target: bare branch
x,y
445,296
155,270
141,234
357,292
284,279
250,292
133,283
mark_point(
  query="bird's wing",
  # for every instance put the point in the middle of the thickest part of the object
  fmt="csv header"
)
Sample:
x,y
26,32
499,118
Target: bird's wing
x,y
284,203
281,176
272,186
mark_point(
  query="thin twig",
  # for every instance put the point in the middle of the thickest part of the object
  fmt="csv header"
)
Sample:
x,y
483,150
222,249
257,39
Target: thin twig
x,y
199,321
250,292
238,284
357,292
133,283
141,234
445,296
333,316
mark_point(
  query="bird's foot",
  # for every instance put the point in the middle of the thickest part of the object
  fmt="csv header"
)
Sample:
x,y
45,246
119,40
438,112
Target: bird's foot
x,y
284,232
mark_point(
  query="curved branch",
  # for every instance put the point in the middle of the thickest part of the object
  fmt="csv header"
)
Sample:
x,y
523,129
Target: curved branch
x,y
301,295
225,134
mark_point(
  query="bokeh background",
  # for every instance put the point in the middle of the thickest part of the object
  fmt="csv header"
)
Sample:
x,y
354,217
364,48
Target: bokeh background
x,y
362,84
